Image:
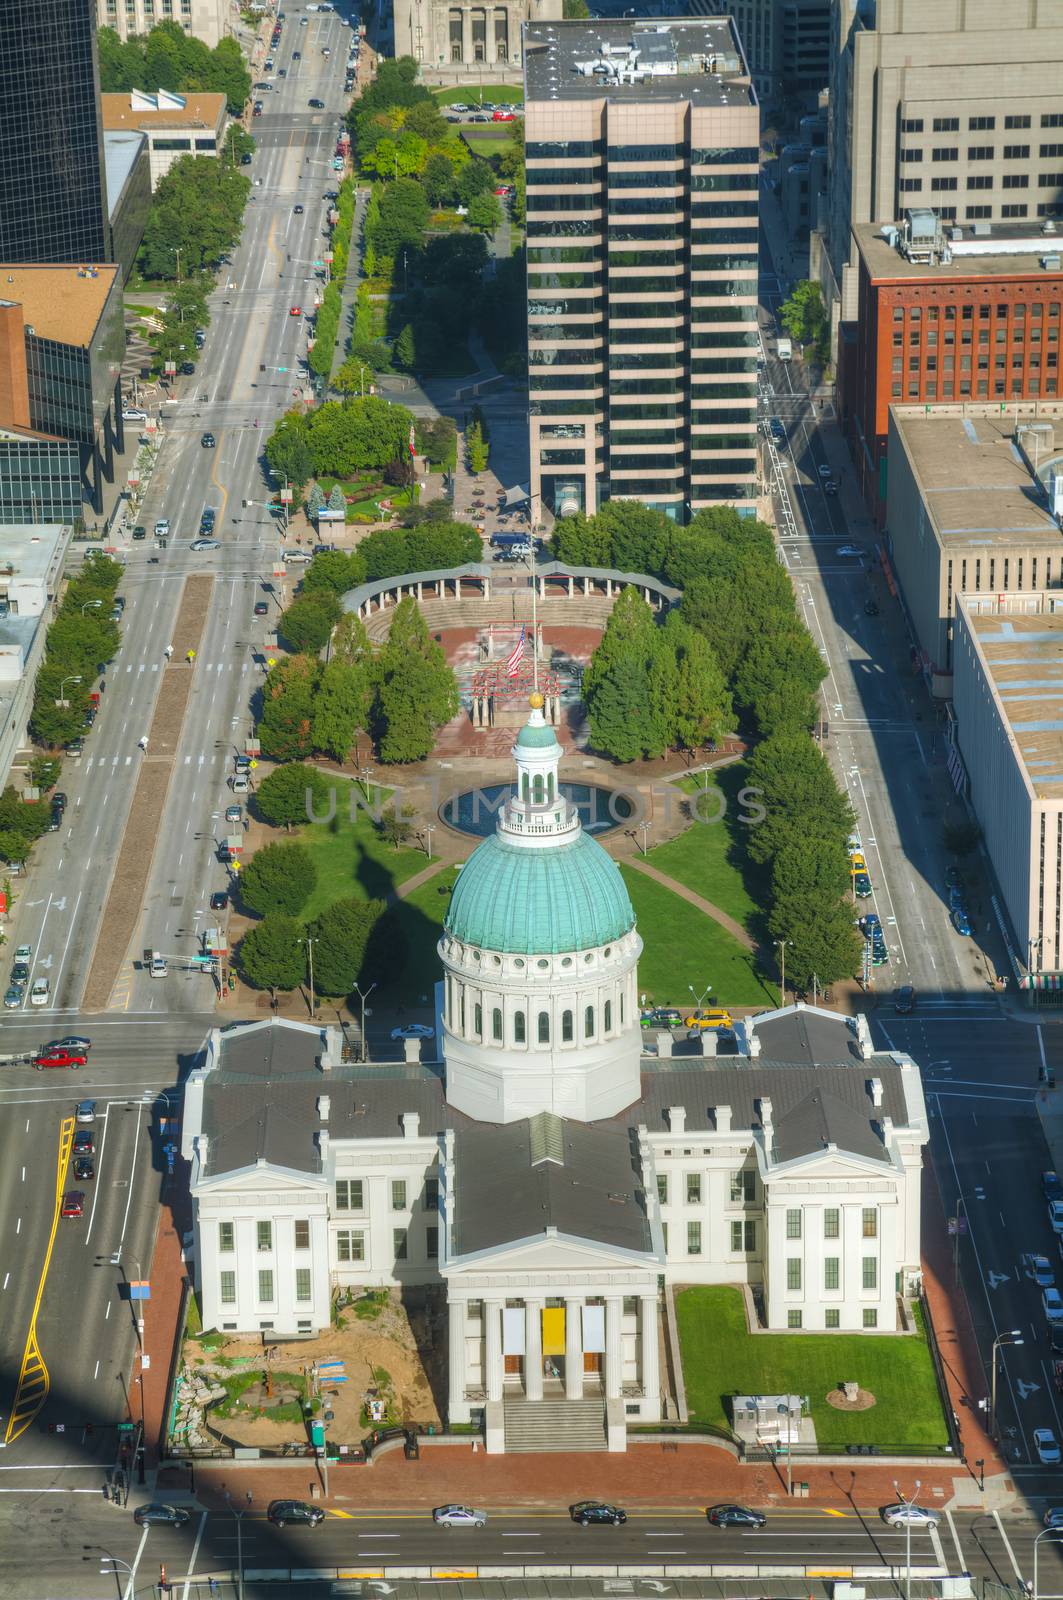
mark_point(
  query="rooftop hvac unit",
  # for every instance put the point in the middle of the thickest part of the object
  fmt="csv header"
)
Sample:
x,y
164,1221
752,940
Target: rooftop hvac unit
x,y
1050,263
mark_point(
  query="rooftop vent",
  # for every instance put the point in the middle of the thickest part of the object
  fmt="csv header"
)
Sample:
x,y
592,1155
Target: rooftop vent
x,y
547,1136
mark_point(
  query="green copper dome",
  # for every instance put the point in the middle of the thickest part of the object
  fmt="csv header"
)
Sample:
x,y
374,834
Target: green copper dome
x,y
532,738
569,897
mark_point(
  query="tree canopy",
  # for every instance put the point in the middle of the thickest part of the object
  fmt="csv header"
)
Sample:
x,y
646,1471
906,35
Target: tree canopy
x,y
197,210
169,58
291,794
279,877
270,955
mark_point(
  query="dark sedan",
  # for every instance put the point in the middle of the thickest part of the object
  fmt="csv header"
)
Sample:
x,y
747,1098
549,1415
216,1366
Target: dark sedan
x,y
283,1511
586,1512
731,1516
173,1516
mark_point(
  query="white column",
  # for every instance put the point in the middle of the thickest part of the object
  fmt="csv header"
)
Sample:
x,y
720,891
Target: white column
x,y
614,1307
493,1341
533,1349
650,1363
456,1353
574,1347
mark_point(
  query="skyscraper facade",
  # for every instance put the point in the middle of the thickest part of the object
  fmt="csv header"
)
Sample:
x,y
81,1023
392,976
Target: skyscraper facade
x,y
642,161
53,200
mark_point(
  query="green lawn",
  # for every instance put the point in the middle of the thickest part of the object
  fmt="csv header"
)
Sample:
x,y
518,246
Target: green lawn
x,y
420,917
720,1358
496,93
364,496
351,858
684,947
709,857
483,140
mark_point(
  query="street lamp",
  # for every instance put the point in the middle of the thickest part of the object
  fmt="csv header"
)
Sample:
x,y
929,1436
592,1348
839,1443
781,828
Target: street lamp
x,y
239,1515
310,955
91,605
63,702
1013,1336
700,999
365,773
429,829
782,945
1049,1533
363,998
110,1565
960,1201
908,1529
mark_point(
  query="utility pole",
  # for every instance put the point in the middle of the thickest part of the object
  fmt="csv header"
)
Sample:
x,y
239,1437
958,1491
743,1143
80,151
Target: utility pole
x,y
780,945
363,998
1013,1336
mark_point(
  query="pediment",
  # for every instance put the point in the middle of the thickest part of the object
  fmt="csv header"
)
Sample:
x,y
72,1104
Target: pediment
x,y
554,1254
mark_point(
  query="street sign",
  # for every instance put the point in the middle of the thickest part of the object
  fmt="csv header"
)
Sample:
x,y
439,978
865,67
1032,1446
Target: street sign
x,y
139,1290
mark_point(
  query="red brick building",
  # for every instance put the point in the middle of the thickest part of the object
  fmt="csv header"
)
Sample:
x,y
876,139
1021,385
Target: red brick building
x,y
963,319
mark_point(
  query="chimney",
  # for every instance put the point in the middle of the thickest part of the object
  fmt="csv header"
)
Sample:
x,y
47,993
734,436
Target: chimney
x,y
708,1040
874,1089
324,1105
863,1038
887,1130
411,1049
664,1045
765,1117
723,1119
677,1119
322,1144
411,1121
754,1043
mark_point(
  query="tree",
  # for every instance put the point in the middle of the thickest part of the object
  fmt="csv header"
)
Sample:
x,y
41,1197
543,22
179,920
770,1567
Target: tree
x,y
350,641
630,685
575,10
778,679
309,620
810,866
349,436
291,795
476,178
703,704
804,316
334,570
427,121
403,351
288,450
341,708
279,877
418,690
476,447
270,956
823,942
337,500
484,211
403,217
439,178
315,503
638,536
341,935
796,787
286,723
197,209
396,826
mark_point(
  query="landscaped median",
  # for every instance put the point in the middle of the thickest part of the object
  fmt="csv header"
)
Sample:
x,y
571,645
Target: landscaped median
x,y
721,1358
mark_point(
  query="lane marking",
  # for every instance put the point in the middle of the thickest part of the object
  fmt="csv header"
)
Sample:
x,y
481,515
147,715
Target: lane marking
x,y
1007,1544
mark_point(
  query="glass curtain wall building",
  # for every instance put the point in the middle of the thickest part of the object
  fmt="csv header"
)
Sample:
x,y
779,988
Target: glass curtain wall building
x,y
642,219
53,203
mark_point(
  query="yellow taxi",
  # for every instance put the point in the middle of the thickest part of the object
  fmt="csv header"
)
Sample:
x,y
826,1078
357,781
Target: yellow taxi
x,y
709,1019
856,862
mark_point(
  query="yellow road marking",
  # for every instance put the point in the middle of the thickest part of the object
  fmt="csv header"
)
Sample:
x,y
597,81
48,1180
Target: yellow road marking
x,y
829,1513
332,1512
33,1382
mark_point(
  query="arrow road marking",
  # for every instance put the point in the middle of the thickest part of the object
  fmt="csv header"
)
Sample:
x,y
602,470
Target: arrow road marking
x,y
997,1278
1026,1389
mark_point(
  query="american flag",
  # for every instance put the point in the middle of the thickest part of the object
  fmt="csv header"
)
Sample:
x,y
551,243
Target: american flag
x,y
413,441
516,655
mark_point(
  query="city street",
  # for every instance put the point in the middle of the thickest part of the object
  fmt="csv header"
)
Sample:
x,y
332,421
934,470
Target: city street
x,y
62,899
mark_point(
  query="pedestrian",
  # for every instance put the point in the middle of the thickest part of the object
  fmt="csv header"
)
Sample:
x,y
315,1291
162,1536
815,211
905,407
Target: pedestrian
x,y
213,1585
250,1497
168,652
143,741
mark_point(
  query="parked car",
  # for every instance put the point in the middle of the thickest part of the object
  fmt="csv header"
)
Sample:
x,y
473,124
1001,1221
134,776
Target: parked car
x,y
586,1512
668,1017
848,550
20,972
1051,1187
861,885
870,608
84,1142
59,1058
73,1041
84,1168
284,1511
712,1019
220,900
413,1030
904,999
1040,1269
41,992
735,1516
13,997
1055,1215
1052,1303
960,922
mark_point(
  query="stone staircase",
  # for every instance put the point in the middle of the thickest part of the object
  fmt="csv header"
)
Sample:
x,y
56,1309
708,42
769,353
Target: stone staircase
x,y
508,606
555,1425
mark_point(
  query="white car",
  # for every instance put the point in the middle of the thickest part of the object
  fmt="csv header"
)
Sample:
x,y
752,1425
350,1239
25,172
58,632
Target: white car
x,y
133,414
162,528
1055,1215
41,993
85,1111
1047,1447
848,550
296,555
459,1517
1052,1301
824,471
413,1030
24,952
906,1515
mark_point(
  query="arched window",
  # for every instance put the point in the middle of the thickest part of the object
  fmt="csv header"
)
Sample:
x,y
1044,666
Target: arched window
x,y
524,790
588,1023
544,1027
550,786
496,1024
461,1010
621,1009
608,1016
518,1027
537,789
566,1027
478,1021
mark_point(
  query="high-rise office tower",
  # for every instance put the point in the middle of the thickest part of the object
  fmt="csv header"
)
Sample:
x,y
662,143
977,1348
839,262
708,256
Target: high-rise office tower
x,y
53,202
642,161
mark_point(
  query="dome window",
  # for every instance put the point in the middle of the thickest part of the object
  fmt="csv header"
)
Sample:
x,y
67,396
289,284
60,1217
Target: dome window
x,y
518,1028
567,962
608,950
496,961
519,964
544,1027
477,956
588,1023
566,1027
496,1024
588,958
608,1018
542,964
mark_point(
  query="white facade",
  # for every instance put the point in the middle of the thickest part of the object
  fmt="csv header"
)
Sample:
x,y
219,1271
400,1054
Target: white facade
x,y
208,20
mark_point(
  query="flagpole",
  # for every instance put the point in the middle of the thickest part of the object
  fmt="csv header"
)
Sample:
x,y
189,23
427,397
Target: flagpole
x,y
535,629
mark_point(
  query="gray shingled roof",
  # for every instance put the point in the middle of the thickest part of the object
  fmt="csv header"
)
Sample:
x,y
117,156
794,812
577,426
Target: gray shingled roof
x,y
808,1037
732,1081
820,1120
594,1193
